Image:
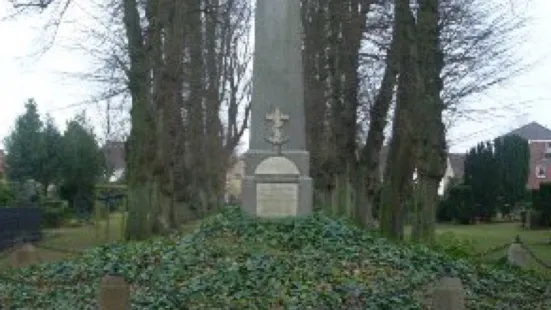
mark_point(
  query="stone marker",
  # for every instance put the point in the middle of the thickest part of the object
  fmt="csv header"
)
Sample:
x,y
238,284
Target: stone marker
x,y
528,219
448,294
114,293
24,256
517,255
276,181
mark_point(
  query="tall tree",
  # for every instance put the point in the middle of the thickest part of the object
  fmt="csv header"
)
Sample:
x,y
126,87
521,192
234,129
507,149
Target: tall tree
x,y
480,169
401,159
23,145
432,150
512,156
83,164
51,146
176,107
334,31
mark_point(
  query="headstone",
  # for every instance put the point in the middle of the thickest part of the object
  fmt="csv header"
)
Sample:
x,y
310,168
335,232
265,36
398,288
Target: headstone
x,y
24,256
528,219
448,294
517,255
114,293
51,192
276,181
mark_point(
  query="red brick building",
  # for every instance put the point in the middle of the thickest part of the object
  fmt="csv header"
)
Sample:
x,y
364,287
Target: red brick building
x,y
539,140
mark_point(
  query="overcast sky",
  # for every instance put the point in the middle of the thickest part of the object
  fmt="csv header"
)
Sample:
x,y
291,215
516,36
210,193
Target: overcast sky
x,y
23,75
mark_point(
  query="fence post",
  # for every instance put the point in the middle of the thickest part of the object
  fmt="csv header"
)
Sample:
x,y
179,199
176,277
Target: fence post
x,y
23,256
449,294
114,293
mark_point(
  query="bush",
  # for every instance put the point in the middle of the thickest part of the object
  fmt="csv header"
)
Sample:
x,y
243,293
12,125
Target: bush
x,y
7,194
541,203
55,213
458,205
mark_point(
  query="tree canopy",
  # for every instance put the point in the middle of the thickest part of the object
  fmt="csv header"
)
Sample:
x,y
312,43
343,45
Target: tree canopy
x,y
497,174
23,145
37,150
512,155
83,163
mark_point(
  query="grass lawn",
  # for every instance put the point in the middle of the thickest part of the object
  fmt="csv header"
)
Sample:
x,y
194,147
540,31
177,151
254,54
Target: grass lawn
x,y
75,239
485,237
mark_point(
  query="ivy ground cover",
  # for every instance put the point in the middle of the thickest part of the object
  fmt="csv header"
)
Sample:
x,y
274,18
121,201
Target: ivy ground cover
x,y
235,262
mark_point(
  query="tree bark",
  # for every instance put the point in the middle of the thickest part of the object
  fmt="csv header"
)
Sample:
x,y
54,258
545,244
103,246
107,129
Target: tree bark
x,y
370,164
431,163
400,163
141,144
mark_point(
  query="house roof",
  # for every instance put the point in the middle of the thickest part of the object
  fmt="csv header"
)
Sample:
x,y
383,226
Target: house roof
x,y
457,162
532,131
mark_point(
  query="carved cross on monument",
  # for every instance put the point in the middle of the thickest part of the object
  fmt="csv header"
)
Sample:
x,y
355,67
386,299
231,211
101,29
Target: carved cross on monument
x,y
278,119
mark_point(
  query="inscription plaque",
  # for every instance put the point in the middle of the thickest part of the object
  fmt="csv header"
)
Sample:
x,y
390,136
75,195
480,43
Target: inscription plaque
x,y
276,199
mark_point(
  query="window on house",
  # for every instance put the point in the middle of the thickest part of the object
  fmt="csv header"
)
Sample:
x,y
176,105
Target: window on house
x,y
237,176
548,150
540,172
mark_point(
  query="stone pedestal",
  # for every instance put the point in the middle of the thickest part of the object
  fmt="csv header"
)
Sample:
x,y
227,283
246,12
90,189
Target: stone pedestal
x,y
277,185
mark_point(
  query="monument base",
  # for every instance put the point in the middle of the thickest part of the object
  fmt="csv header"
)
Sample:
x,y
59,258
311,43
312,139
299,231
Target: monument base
x,y
277,185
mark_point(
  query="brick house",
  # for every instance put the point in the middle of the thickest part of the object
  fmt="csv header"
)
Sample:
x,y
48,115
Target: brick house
x,y
539,141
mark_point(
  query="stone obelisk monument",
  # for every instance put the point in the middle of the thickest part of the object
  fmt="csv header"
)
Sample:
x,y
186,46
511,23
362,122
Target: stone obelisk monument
x,y
276,182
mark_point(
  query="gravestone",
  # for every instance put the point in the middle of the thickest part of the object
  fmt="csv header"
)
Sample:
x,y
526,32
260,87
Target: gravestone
x,y
449,294
517,255
276,181
25,255
114,293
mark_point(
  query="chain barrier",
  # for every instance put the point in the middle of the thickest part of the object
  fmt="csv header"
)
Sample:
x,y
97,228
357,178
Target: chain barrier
x,y
535,258
524,246
60,250
494,250
14,246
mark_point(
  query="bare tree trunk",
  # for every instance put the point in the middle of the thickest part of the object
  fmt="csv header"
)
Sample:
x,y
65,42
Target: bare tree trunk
x,y
370,156
141,143
218,159
432,147
195,110
400,165
314,94
168,106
